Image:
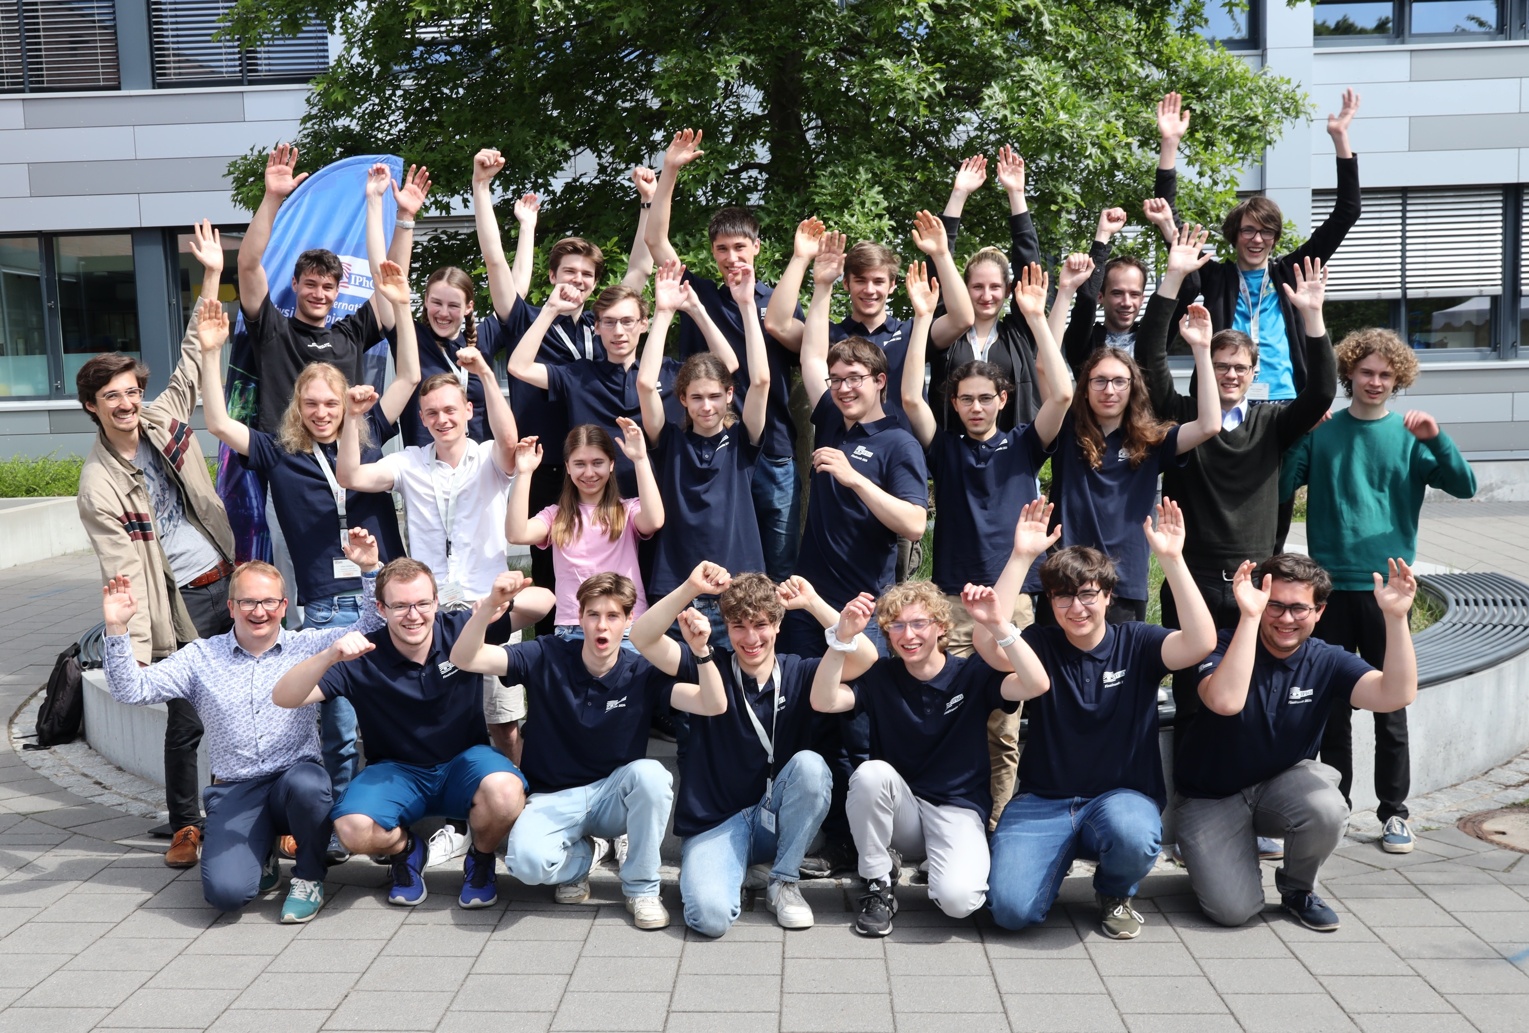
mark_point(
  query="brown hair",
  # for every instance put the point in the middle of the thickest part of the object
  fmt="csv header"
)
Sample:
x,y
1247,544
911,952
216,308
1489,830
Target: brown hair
x,y
732,221
867,256
1375,340
576,246
978,369
102,370
992,256
319,260
439,380
259,567
1290,566
402,569
919,593
1126,262
1234,339
608,585
1262,211
617,293
609,512
293,436
704,366
748,596
1067,570
1143,431
858,351
451,276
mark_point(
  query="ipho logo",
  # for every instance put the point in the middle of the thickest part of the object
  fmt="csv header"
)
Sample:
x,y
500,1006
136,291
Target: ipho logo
x,y
1300,695
612,704
955,701
447,668
1113,678
862,453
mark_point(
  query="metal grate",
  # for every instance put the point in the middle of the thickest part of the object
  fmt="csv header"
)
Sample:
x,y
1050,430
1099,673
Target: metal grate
x,y
186,51
58,45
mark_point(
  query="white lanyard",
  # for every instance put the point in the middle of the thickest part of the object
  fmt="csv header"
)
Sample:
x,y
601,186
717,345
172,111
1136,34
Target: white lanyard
x,y
589,341
767,741
1264,287
980,353
334,488
445,498
458,371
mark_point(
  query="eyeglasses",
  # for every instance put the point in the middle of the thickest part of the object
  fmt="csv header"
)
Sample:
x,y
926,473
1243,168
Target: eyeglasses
x,y
626,323
923,624
1300,611
1100,383
400,609
851,382
1086,596
132,394
971,400
1255,232
1223,368
250,605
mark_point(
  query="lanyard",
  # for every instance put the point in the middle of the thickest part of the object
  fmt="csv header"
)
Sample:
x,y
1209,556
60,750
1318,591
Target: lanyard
x,y
979,353
458,371
767,741
1264,287
589,341
334,488
445,497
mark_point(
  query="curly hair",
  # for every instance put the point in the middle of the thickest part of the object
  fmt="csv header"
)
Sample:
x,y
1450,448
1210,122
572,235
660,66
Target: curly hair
x,y
977,369
916,593
751,595
1375,340
293,435
1143,431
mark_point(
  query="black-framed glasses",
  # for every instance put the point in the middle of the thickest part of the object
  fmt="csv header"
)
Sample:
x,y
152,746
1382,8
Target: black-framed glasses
x,y
251,605
852,381
970,400
1223,368
1086,596
1100,383
1300,611
400,609
1254,232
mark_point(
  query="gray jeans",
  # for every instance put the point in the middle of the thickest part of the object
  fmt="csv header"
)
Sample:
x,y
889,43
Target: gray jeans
x,y
1218,838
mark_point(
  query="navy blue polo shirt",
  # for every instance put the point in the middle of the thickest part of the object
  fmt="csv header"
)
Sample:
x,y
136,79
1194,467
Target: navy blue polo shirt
x,y
305,508
423,714
433,353
1281,723
535,414
935,732
585,727
1096,729
891,337
598,392
725,764
1104,508
706,484
979,489
845,550
779,437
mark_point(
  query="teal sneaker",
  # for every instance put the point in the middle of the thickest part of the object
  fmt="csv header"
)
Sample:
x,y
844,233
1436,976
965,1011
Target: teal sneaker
x,y
303,901
270,872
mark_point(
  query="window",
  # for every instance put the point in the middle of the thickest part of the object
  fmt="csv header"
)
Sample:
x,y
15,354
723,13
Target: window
x,y
1427,263
189,274
1386,21
1235,29
23,330
186,52
58,45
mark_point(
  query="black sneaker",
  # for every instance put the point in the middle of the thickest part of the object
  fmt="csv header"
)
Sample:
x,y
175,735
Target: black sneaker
x,y
837,856
877,906
1310,910
661,725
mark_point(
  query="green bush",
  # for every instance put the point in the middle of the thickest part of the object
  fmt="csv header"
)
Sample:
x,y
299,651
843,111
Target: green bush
x,y
24,477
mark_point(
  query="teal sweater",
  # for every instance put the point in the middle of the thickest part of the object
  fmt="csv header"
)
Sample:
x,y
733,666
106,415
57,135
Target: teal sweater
x,y
1367,479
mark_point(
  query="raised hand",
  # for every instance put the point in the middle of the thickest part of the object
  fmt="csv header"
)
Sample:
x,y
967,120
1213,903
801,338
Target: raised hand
x,y
1396,595
1310,285
923,292
505,588
360,399
564,299
1172,118
472,360
378,181
683,149
1167,541
709,578
696,629
1011,170
669,286
828,266
981,604
351,645
1030,291
528,456
646,182
1421,425
527,208
117,603
1074,273
361,548
971,175
632,442
740,284
797,593
1160,214
1111,222
411,193
929,235
487,164
1195,327
809,234
1184,256
211,325
206,246
392,283
280,165
1030,535
1251,598
1337,125
857,613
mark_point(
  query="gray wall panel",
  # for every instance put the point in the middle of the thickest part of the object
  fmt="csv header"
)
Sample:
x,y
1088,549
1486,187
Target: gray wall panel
x,y
133,109
1477,62
1468,132
148,176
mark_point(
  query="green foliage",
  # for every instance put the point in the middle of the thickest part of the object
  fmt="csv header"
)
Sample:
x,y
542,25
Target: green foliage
x,y
857,112
25,477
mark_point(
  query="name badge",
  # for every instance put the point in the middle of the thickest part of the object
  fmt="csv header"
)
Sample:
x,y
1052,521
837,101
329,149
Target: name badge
x,y
1259,392
767,819
344,568
451,593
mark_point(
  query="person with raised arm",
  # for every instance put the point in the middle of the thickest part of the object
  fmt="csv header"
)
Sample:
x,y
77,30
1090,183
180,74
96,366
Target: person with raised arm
x,y
983,477
299,462
1368,469
586,751
751,794
1248,767
1091,775
154,517
268,778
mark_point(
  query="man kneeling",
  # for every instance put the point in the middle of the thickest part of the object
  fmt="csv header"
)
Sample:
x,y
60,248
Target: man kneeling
x,y
1248,764
421,718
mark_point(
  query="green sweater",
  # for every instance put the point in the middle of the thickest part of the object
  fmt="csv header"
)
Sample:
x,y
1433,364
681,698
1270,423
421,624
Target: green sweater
x,y
1367,479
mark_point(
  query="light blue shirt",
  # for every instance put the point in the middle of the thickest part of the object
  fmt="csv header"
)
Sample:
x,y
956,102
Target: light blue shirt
x,y
1267,330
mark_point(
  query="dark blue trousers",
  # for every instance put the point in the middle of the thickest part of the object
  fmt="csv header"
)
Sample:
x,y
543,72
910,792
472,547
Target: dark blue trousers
x,y
244,819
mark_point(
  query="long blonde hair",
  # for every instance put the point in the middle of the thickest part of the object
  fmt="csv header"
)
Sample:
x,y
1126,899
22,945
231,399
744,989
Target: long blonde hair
x,y
567,525
294,436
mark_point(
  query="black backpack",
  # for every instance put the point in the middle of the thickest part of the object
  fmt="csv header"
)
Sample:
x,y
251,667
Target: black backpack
x,y
62,716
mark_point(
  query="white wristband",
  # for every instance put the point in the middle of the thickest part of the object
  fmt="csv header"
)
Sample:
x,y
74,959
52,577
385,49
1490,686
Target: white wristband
x,y
1009,639
404,224
831,636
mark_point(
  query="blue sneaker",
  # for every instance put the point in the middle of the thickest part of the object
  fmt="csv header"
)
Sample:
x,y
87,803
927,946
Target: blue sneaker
x,y
1310,910
303,901
408,884
478,884
1396,837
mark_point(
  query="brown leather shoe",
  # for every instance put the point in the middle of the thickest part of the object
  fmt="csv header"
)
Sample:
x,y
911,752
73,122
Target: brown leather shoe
x,y
286,846
185,849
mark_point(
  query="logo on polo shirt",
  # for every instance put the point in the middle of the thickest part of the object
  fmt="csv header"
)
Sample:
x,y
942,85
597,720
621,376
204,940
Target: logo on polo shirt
x,y
1206,664
1300,695
612,704
955,701
780,703
1123,456
447,668
862,453
1113,678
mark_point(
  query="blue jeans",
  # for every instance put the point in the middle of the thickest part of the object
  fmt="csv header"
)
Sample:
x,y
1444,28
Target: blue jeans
x,y
714,862
548,845
337,718
778,507
1038,838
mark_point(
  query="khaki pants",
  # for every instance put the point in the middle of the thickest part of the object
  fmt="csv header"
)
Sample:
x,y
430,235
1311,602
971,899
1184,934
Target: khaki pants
x,y
1002,729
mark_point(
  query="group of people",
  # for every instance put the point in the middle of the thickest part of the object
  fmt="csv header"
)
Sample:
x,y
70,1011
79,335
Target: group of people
x,y
832,714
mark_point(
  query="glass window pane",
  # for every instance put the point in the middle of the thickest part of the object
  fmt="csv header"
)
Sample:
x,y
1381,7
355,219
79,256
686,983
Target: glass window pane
x,y
1437,16
1227,25
23,337
1344,317
97,298
1449,322
1357,18
189,270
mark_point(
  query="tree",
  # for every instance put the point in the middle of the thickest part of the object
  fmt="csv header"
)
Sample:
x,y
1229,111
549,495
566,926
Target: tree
x,y
857,111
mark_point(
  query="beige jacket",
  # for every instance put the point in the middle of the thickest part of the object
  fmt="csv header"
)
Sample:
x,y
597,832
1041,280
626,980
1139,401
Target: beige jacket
x,y
118,517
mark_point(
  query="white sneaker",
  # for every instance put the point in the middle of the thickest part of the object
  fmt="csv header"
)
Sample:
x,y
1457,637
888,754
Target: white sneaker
x,y
577,891
446,845
648,912
618,851
757,877
785,899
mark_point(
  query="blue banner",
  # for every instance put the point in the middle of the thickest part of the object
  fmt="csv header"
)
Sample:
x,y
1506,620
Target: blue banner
x,y
327,210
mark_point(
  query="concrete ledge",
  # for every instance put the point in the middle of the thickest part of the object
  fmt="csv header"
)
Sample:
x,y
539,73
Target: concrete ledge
x,y
133,738
39,529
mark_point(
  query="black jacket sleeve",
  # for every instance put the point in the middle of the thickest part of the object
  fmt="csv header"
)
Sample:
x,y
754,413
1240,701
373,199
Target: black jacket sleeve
x,y
1077,339
1315,397
1152,357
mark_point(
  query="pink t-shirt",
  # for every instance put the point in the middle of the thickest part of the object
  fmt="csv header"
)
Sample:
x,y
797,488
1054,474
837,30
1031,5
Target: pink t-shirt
x,y
593,553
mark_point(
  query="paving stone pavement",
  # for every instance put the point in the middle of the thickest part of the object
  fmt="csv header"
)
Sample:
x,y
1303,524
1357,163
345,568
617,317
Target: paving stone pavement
x,y
96,932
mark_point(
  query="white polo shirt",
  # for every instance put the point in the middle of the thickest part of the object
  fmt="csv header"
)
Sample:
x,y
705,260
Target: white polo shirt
x,y
473,496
